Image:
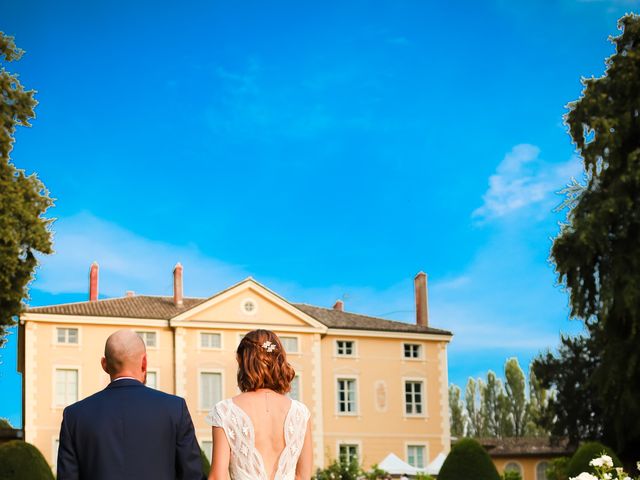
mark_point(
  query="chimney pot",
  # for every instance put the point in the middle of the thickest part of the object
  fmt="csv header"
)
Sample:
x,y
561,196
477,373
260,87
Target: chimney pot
x,y
130,293
177,285
93,282
339,305
422,305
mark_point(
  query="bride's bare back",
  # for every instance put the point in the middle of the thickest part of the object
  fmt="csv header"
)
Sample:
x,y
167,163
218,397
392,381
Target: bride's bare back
x,y
268,411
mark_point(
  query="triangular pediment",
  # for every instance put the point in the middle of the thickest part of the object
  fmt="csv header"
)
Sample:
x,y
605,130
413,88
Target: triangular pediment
x,y
249,303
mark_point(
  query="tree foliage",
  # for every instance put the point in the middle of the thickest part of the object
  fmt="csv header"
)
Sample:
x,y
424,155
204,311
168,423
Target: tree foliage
x,y
466,460
597,252
495,409
23,199
22,461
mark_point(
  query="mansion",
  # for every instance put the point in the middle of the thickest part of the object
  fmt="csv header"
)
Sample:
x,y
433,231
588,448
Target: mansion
x,y
373,386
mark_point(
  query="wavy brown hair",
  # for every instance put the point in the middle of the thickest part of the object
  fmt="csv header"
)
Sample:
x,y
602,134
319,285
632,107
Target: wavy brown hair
x,y
260,368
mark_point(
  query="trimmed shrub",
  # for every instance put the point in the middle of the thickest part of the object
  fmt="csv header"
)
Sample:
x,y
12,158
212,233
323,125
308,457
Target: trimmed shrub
x,y
586,452
557,469
206,466
511,475
4,423
466,460
22,461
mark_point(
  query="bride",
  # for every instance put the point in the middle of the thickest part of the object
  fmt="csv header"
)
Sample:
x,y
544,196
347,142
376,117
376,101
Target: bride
x,y
261,433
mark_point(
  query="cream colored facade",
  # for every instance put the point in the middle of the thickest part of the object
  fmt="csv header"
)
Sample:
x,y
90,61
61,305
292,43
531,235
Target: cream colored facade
x,y
192,355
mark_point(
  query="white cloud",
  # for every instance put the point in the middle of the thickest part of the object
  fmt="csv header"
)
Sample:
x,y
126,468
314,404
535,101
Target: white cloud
x,y
523,180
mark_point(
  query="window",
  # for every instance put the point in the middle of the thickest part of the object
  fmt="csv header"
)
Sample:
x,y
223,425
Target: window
x,y
210,389
152,379
345,348
210,340
413,397
346,395
207,448
415,455
513,467
412,350
249,307
67,335
541,470
66,386
290,344
348,452
294,393
150,339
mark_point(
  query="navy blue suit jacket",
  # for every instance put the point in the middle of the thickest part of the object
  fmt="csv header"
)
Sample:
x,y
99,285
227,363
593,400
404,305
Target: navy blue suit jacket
x,y
128,431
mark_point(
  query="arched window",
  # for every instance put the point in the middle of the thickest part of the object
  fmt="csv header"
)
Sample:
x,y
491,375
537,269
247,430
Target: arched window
x,y
513,467
541,470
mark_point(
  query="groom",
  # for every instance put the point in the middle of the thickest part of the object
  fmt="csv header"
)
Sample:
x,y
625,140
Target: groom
x,y
128,431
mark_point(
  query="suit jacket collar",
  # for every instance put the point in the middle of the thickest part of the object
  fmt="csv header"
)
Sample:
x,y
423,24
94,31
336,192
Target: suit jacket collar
x,y
125,382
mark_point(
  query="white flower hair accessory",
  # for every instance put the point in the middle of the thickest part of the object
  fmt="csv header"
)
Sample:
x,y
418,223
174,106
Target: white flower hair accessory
x,y
268,346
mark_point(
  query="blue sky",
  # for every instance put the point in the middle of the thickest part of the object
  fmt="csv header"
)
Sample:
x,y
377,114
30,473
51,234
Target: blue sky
x,y
329,149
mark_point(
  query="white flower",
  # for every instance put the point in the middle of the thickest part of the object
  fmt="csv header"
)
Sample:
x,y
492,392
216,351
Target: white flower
x,y
596,462
638,465
584,476
607,476
607,461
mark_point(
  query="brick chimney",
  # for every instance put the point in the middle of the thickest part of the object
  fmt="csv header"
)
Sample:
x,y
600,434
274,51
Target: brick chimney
x,y
422,306
93,282
177,285
339,305
130,293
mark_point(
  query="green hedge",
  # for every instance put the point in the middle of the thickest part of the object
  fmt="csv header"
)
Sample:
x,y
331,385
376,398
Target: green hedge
x,y
206,466
467,460
22,461
588,451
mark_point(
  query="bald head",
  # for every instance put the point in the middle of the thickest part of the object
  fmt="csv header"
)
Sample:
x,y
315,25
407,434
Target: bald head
x,y
125,355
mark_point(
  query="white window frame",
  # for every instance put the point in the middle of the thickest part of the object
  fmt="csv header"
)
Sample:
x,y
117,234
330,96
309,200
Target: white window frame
x,y
357,443
356,379
420,356
298,340
157,372
157,334
65,344
299,377
424,397
209,370
354,352
538,465
210,454
55,368
55,446
201,332
418,443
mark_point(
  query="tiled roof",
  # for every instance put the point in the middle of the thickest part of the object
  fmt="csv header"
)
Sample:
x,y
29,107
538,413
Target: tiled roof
x,y
526,446
137,306
162,308
338,319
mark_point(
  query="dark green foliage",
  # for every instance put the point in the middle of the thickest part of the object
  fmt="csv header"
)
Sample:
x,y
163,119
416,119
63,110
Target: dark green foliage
x,y
206,466
339,471
511,475
22,461
574,410
588,451
466,460
23,199
557,469
597,253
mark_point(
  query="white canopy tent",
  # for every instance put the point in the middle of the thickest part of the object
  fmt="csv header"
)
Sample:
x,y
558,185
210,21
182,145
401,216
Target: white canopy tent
x,y
396,466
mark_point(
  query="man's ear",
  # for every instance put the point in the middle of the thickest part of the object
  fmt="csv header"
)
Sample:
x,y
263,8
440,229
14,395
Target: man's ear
x,y
144,362
103,362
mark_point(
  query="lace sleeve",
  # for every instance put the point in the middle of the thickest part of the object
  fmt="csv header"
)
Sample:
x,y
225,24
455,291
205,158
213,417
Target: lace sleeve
x,y
214,418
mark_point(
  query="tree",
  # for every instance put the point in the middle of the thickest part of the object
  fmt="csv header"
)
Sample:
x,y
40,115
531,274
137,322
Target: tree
x,y
492,399
466,460
597,252
538,415
573,411
473,404
516,395
23,199
456,411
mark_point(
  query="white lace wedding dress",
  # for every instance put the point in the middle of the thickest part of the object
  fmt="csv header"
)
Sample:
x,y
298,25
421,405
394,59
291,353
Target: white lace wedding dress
x,y
246,462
